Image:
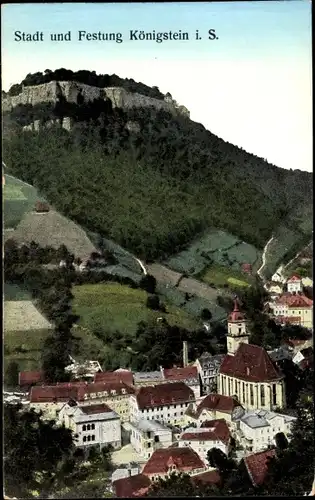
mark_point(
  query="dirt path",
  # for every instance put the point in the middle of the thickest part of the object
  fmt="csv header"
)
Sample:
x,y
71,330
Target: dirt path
x,y
264,259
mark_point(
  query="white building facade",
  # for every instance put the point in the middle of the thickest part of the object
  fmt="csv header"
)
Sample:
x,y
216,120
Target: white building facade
x,y
92,425
146,436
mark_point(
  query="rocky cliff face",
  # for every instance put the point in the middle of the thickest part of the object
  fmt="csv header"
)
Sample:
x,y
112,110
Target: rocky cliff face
x,y
52,91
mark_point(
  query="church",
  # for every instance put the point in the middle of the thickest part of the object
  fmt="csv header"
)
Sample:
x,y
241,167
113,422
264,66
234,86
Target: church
x,y
247,372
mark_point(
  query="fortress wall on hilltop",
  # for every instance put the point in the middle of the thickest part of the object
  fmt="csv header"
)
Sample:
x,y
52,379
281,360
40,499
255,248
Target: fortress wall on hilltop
x,y
50,92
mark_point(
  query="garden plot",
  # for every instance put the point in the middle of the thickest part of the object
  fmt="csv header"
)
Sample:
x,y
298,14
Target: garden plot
x,y
22,315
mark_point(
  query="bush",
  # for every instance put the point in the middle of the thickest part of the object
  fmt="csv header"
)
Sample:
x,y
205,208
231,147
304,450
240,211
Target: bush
x,y
153,302
148,283
206,315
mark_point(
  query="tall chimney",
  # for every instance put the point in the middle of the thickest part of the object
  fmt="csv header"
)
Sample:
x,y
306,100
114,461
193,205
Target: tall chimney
x,y
185,354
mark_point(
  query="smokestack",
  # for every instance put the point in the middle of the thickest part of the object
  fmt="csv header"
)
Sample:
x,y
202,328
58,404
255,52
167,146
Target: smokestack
x,y
185,354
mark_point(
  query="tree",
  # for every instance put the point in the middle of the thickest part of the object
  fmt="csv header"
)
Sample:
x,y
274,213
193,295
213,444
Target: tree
x,y
281,441
11,376
153,302
291,471
206,315
148,283
181,485
35,452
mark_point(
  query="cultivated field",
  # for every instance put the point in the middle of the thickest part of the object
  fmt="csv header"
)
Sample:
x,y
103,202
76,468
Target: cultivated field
x,y
220,276
53,229
216,247
22,315
117,307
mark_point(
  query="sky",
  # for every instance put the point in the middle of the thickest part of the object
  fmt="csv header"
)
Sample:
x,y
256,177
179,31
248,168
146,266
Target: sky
x,y
252,85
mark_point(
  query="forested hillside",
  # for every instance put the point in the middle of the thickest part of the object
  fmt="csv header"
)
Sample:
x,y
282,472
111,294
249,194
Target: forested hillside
x,y
151,181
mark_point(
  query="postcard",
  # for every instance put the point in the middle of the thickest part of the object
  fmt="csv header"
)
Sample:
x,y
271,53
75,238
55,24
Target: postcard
x,y
157,249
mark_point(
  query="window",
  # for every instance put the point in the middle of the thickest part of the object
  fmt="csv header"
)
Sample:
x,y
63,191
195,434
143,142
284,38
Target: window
x,y
251,390
88,427
89,438
84,439
274,394
84,427
92,426
262,395
93,438
240,330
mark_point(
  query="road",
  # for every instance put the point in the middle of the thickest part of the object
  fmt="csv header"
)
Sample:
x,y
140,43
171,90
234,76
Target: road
x,y
264,259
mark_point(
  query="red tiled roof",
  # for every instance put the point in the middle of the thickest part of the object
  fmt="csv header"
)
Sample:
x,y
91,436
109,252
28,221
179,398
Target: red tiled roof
x,y
185,459
94,409
188,372
257,466
208,477
29,378
132,486
235,316
251,363
164,394
118,376
294,301
53,393
294,278
218,402
75,390
217,431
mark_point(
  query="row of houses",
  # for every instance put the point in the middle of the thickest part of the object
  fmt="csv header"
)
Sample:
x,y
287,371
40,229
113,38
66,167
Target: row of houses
x,y
291,306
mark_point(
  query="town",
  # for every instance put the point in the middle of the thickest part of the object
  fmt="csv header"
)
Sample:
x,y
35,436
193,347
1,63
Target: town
x,y
174,421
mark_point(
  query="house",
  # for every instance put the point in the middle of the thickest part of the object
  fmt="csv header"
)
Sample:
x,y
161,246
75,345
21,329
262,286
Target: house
x,y
132,486
253,378
294,305
213,407
280,354
209,477
164,462
247,268
256,429
208,367
114,394
142,379
92,425
294,284
28,379
304,358
50,399
146,436
125,470
274,288
189,375
257,466
84,370
120,375
41,207
165,403
212,434
277,276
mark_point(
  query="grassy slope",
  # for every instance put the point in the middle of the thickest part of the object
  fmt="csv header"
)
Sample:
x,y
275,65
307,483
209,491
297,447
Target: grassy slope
x,y
220,276
118,307
18,199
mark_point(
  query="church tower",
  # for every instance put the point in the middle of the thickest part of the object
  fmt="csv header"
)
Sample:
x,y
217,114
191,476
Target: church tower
x,y
237,330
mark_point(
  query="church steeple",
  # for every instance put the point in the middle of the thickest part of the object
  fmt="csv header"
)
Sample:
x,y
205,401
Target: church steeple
x,y
237,329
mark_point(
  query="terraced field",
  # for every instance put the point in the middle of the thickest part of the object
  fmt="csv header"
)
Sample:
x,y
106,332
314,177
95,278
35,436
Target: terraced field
x,y
117,307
